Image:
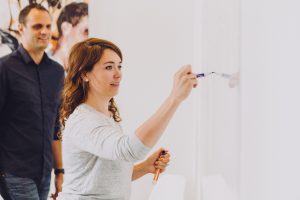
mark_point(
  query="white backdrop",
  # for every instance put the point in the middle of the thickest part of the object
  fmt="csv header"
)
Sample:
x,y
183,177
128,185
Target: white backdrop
x,y
156,39
270,100
240,143
246,136
218,159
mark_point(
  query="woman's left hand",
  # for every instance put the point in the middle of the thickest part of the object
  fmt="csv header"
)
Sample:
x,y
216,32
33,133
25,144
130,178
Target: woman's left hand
x,y
157,161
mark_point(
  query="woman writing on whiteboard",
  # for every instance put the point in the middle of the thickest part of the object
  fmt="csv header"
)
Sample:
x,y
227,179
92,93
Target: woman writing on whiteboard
x,y
98,157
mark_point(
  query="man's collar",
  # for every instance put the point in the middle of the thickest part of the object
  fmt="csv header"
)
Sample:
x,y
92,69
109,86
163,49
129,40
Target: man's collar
x,y
26,56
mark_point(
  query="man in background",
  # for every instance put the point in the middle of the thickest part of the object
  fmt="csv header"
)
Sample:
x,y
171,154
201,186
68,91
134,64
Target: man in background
x,y
30,86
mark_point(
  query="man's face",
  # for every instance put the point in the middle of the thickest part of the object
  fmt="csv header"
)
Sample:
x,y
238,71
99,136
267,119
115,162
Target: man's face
x,y
36,31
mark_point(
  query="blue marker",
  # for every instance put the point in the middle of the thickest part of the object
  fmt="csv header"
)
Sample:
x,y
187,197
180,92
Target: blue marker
x,y
204,74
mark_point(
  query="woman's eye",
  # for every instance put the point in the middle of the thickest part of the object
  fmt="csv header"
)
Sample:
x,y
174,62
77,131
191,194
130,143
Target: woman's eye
x,y
120,67
108,67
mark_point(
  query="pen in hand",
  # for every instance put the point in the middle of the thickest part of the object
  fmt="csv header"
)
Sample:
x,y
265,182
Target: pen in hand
x,y
157,172
201,75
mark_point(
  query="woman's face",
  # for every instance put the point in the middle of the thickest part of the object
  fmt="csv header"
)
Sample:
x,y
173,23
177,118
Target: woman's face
x,y
105,78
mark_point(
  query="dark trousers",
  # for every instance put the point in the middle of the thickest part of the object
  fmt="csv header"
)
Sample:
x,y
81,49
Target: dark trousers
x,y
20,188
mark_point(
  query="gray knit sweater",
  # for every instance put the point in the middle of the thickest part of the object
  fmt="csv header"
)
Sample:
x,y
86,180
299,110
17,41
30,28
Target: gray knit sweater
x,y
98,158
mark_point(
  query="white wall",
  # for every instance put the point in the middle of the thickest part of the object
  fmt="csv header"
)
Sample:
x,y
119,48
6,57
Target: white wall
x,y
239,143
270,100
218,153
156,39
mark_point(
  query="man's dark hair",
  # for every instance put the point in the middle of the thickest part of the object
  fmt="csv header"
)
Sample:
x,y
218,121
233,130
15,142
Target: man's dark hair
x,y
71,13
26,10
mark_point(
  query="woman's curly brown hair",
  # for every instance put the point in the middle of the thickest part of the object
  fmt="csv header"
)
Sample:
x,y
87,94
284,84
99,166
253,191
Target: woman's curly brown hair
x,y
83,56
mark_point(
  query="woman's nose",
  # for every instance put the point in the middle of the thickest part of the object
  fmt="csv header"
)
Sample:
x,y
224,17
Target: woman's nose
x,y
118,73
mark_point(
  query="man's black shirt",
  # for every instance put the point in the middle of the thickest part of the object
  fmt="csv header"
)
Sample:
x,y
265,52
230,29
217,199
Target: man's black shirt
x,y
29,103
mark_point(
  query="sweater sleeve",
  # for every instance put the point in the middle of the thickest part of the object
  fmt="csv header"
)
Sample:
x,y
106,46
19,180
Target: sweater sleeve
x,y
108,142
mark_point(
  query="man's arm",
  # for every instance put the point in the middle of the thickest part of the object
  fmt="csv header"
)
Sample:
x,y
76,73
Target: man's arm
x,y
57,164
3,94
57,155
57,148
3,86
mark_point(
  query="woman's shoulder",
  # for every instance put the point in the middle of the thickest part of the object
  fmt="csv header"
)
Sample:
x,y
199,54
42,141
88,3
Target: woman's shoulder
x,y
84,120
84,114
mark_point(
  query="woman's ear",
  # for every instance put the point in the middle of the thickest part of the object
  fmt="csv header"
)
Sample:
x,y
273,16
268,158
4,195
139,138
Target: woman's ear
x,y
84,77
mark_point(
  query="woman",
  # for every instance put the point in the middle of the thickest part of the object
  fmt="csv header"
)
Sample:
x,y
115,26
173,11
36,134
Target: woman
x,y
98,157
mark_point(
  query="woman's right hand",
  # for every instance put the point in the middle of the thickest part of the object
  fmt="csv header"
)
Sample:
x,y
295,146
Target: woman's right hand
x,y
184,81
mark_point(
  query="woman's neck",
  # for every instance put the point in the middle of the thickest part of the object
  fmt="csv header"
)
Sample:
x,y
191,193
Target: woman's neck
x,y
99,104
